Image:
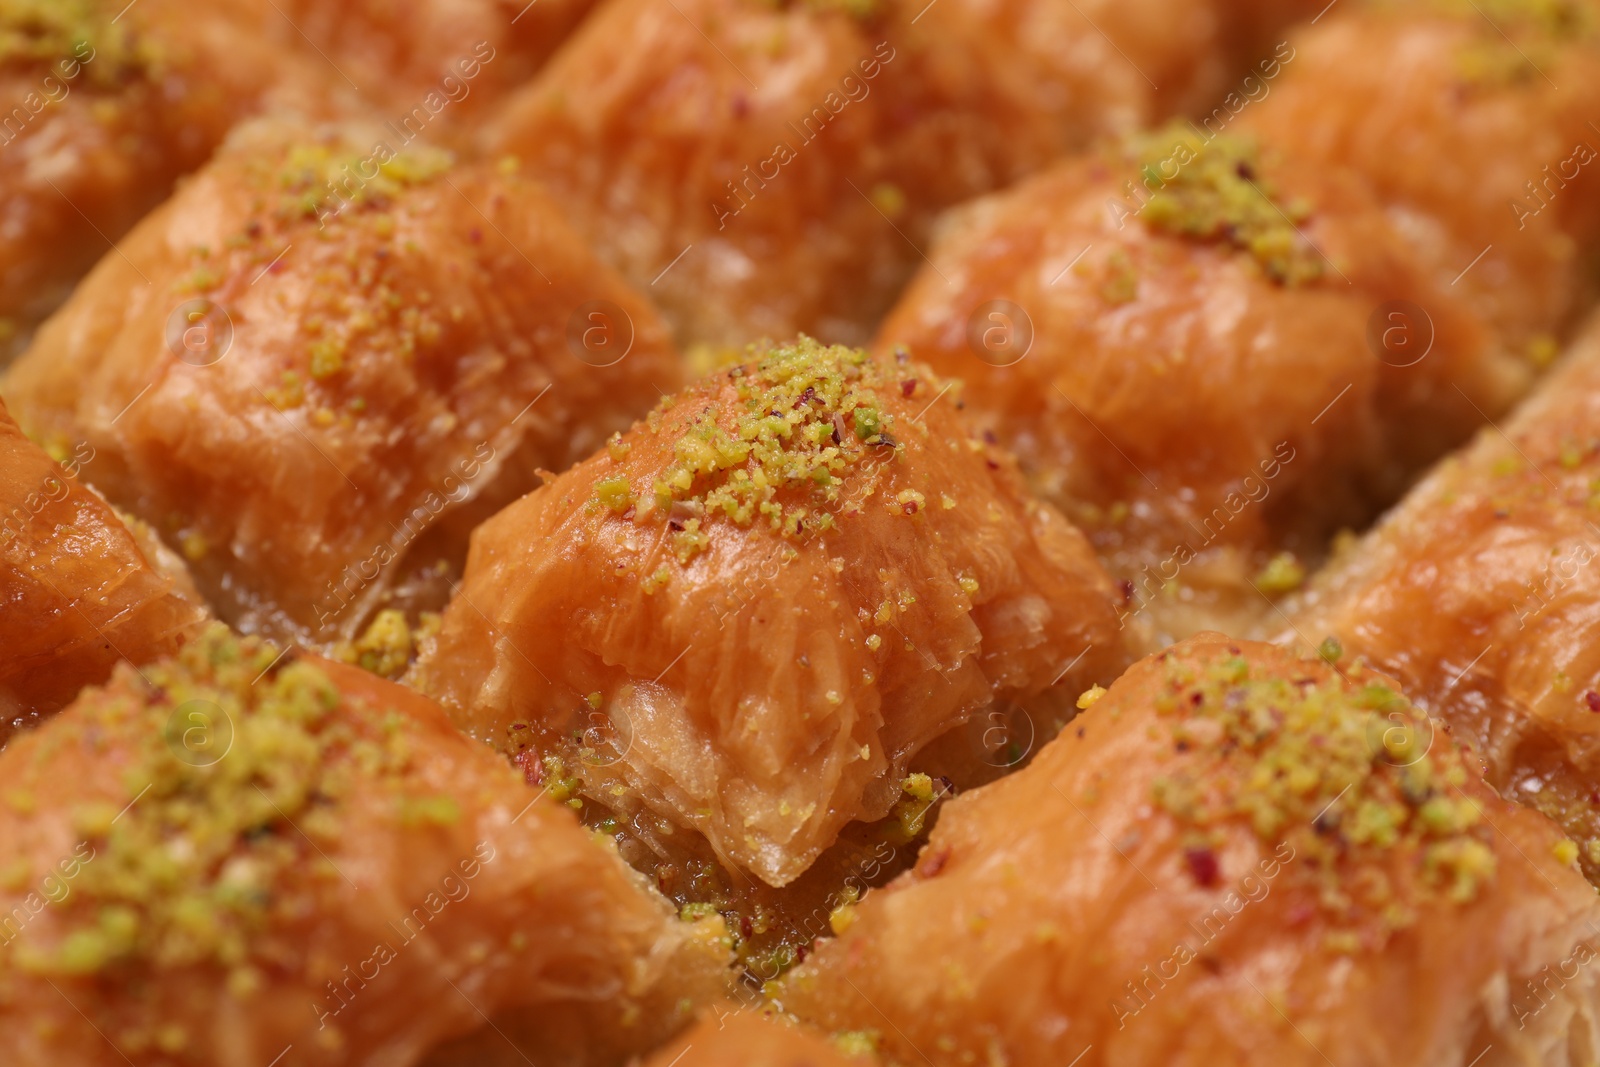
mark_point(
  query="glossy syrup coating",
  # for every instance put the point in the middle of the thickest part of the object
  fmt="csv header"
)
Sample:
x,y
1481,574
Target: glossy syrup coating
x,y
794,154
1233,856
1478,592
102,113
752,610
750,1038
232,852
79,588
344,357
431,67
990,92
727,132
1474,122
1175,336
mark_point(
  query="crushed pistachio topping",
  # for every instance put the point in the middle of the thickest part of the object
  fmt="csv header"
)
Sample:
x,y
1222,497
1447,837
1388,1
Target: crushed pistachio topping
x,y
1561,20
1340,768
843,915
239,773
387,645
806,415
1284,573
858,1042
1214,191
313,179
360,301
106,48
889,199
695,911
1517,41
906,820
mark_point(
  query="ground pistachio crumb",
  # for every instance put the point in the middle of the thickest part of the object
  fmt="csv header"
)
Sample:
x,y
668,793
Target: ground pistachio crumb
x,y
1213,190
209,854
1284,573
48,31
387,645
1339,767
805,416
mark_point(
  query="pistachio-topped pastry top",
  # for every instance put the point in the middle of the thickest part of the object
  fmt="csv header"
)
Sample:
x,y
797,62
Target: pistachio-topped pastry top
x,y
240,770
1336,763
1213,189
89,34
807,415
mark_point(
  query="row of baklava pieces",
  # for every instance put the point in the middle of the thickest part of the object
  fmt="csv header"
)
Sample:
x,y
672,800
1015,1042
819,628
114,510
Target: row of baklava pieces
x,y
1541,754
1208,391
1235,852
660,120
273,850
330,358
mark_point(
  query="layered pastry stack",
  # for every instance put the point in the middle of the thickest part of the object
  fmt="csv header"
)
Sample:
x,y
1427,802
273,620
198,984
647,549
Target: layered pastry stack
x,y
700,532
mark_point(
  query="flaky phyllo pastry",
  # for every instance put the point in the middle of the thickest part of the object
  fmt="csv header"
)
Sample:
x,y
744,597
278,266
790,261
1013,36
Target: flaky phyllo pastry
x,y
799,533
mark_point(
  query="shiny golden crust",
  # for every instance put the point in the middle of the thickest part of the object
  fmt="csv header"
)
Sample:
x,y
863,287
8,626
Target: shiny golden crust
x,y
1451,109
233,853
321,390
79,590
432,67
1478,592
795,154
991,92
767,725
734,1038
660,127
766,663
103,114
1175,338
1223,862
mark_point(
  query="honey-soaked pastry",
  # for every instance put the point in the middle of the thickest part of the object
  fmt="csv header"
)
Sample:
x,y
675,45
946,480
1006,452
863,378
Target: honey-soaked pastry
x,y
725,1036
105,105
749,612
751,1038
990,92
1478,592
79,590
430,67
1475,122
766,169
344,356
1235,856
770,929
231,853
708,148
1174,337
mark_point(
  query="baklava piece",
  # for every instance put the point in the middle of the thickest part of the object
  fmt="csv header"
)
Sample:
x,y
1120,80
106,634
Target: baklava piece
x,y
433,68
1175,337
772,168
107,105
1235,856
708,148
235,853
1475,123
750,612
79,588
320,364
1479,592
